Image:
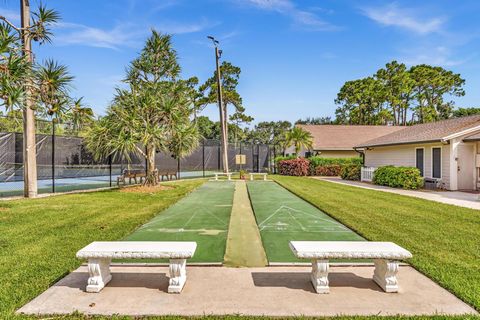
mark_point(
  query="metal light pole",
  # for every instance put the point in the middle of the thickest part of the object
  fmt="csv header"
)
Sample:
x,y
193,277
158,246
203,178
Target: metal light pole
x,y
223,124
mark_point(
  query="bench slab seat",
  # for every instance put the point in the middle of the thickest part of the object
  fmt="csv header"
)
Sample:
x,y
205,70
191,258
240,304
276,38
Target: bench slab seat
x,y
228,175
252,174
100,253
385,254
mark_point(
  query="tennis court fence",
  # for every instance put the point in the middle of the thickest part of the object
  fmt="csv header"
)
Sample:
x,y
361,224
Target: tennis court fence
x,y
65,164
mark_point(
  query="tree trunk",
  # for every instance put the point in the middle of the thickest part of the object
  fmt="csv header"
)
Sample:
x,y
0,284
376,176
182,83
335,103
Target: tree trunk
x,y
29,145
152,175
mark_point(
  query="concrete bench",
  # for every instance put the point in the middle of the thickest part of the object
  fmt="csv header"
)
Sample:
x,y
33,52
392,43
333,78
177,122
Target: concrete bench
x,y
100,253
385,255
252,174
228,175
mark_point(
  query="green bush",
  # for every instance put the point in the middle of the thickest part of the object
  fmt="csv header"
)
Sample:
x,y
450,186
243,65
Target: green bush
x,y
398,177
330,170
317,161
293,167
281,158
351,171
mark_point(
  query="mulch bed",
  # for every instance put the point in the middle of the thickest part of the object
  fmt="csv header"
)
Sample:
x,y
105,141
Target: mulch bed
x,y
145,189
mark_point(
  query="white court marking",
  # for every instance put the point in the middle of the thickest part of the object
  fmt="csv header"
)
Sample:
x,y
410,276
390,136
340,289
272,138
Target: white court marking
x,y
282,226
160,219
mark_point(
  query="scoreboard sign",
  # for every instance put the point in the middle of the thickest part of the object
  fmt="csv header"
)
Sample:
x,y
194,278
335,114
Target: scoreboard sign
x,y
240,159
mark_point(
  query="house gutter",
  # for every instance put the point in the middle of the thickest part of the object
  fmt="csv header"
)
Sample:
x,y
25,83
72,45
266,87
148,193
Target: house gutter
x,y
361,151
461,133
399,143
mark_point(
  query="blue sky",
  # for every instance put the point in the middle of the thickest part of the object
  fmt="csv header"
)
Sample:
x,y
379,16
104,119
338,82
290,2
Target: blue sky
x,y
294,55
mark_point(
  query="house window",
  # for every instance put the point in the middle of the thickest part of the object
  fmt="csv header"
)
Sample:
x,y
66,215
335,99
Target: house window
x,y
419,159
437,163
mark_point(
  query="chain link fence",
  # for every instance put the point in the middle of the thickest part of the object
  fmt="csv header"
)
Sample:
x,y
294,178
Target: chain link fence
x,y
64,164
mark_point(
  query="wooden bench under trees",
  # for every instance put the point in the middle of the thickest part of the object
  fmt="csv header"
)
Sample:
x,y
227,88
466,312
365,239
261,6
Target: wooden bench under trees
x,y
131,174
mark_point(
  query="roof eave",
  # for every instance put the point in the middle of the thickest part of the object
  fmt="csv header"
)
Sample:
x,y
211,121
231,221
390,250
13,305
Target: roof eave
x,y
398,143
461,133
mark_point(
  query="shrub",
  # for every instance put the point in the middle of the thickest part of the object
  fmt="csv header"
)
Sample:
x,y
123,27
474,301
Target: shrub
x,y
317,161
281,158
351,171
398,177
328,170
293,167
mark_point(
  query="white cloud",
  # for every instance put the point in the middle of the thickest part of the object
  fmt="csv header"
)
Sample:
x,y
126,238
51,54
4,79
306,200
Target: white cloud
x,y
119,36
181,28
10,15
301,17
438,56
126,35
393,15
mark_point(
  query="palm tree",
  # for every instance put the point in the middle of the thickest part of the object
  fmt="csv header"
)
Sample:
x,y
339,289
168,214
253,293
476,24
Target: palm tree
x,y
151,113
184,140
53,83
16,66
80,115
299,138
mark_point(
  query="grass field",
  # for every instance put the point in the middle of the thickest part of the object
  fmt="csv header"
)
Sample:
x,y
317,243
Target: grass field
x,y
444,239
202,216
282,216
39,238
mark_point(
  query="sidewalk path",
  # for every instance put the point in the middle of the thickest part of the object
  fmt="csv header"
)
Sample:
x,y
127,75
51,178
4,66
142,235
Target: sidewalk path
x,y
272,291
244,245
457,198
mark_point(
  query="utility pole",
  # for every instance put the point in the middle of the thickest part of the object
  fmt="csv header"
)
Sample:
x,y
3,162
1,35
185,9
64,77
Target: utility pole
x,y
223,124
29,145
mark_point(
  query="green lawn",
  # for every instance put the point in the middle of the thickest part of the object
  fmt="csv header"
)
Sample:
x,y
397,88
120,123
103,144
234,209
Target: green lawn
x,y
444,239
202,216
39,238
282,217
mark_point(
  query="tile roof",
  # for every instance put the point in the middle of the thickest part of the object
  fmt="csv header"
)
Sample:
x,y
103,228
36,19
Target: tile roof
x,y
344,137
427,132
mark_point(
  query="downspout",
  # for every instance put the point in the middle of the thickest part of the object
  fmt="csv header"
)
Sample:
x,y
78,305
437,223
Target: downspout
x,y
361,151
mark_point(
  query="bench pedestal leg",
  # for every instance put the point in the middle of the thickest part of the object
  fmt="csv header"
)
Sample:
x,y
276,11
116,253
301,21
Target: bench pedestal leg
x,y
385,274
99,271
251,177
319,276
265,178
178,275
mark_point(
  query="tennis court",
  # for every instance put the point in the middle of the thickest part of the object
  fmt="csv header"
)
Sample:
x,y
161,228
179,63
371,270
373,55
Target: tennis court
x,y
202,216
282,217
79,182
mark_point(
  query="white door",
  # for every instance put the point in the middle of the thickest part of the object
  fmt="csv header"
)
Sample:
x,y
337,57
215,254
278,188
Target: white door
x,y
466,166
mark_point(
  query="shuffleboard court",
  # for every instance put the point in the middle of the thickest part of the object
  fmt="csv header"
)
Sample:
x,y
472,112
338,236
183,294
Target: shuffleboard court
x,y
282,217
202,216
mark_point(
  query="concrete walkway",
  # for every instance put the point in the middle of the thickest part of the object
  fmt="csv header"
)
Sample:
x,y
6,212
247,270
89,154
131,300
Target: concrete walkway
x,y
272,291
244,244
457,198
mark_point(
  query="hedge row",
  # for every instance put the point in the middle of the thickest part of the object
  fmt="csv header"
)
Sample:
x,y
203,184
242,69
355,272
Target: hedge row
x,y
294,167
330,170
347,168
351,171
398,177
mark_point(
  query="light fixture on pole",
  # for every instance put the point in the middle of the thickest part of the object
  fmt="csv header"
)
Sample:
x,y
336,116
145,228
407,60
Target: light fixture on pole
x,y
223,122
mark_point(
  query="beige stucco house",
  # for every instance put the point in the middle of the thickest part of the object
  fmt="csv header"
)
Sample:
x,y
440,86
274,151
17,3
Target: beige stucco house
x,y
446,151
338,141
